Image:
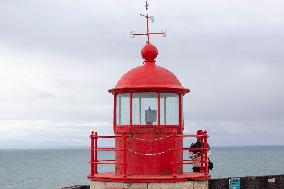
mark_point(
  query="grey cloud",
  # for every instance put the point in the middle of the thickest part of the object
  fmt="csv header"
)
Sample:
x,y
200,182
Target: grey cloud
x,y
58,58
45,95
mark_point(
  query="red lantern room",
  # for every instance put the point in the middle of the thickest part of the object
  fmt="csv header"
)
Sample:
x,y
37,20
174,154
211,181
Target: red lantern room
x,y
148,126
148,107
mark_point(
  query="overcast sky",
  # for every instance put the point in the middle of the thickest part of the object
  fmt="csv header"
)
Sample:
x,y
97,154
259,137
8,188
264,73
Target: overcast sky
x,y
58,58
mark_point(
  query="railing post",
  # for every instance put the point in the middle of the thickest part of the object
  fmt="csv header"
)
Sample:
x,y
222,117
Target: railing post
x,y
174,163
96,153
124,155
202,154
206,150
92,154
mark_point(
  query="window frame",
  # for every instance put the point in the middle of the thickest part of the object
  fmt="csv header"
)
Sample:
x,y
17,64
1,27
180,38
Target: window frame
x,y
158,125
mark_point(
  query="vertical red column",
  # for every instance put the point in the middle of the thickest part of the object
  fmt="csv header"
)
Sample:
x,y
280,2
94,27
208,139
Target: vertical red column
x,y
180,112
92,161
202,153
96,153
114,113
159,110
206,150
124,155
174,163
130,111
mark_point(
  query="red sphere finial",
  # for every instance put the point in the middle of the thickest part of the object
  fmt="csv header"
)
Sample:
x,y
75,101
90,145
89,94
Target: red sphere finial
x,y
149,52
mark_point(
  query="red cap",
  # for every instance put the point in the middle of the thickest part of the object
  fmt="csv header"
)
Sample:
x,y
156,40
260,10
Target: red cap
x,y
149,52
199,132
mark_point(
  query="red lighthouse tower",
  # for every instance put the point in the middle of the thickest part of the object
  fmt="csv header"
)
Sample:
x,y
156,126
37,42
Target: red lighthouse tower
x,y
148,127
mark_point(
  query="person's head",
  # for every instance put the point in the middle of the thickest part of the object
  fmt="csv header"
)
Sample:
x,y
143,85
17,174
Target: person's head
x,y
199,132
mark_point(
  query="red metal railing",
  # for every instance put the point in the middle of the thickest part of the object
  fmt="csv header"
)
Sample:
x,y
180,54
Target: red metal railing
x,y
203,149
94,152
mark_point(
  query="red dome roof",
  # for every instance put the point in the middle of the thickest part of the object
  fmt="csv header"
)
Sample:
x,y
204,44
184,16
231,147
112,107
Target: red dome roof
x,y
149,76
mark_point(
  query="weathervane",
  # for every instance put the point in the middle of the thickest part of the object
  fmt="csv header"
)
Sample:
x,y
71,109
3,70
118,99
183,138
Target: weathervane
x,y
163,33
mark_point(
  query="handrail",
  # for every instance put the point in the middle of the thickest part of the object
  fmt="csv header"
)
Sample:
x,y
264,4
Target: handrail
x,y
94,152
204,149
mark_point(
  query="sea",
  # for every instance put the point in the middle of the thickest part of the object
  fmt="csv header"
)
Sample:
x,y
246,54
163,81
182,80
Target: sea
x,y
52,168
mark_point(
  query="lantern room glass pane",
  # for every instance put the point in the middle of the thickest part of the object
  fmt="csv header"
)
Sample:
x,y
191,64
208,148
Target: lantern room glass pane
x,y
123,109
169,108
144,109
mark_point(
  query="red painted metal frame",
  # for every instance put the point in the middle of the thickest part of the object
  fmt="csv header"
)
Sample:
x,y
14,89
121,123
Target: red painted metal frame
x,y
180,111
205,154
124,155
159,110
112,177
182,91
174,163
150,129
114,112
130,110
180,124
92,162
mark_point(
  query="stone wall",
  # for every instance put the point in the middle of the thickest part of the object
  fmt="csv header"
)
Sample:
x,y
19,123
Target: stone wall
x,y
258,182
154,185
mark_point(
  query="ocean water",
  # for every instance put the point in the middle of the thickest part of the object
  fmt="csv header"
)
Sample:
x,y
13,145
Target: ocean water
x,y
50,168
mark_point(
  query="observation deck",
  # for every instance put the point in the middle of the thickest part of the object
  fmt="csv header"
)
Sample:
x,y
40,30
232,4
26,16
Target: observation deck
x,y
125,176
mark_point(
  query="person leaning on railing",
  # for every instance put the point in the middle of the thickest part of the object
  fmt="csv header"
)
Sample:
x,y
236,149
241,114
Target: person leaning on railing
x,y
195,155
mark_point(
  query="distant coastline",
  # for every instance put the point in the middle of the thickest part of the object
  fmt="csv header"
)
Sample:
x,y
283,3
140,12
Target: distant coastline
x,y
87,147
